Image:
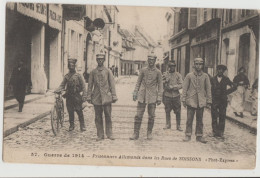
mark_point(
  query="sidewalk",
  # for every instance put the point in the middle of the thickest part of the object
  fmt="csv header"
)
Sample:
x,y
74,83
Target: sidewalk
x,y
248,121
35,108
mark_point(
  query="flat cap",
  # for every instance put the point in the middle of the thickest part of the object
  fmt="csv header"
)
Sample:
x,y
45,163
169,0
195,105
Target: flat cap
x,y
221,66
199,60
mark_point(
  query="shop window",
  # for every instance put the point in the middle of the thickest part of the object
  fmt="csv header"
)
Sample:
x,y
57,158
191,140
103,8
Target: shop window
x,y
214,13
226,49
193,17
244,51
230,15
205,14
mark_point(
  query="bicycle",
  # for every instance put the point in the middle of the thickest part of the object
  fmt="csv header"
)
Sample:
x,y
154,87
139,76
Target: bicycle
x,y
57,113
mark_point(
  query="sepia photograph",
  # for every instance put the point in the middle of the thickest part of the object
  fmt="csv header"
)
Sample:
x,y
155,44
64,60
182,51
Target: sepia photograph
x,y
135,86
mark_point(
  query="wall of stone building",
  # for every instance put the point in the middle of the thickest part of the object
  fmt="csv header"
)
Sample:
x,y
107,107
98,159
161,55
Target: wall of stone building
x,y
183,58
74,44
55,61
233,56
38,75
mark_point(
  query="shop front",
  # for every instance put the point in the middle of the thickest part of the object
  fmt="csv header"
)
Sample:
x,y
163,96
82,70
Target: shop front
x,y
25,39
180,51
205,44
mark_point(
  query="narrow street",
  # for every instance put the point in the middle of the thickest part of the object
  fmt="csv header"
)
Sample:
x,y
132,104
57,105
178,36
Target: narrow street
x,y
39,136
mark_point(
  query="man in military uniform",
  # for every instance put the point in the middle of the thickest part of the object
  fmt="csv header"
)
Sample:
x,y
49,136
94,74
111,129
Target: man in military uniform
x,y
101,93
172,83
219,90
74,84
196,95
148,91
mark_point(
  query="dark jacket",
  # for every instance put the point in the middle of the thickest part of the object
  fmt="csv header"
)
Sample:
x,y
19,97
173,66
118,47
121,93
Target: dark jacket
x,y
219,89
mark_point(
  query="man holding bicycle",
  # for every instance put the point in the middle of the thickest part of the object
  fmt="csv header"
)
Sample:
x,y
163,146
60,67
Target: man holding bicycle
x,y
74,84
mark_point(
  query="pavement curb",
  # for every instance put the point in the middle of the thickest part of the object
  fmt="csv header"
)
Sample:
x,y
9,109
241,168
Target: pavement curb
x,y
28,101
22,125
252,130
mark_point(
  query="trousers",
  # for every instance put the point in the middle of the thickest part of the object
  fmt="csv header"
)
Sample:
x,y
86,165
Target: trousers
x,y
199,123
218,114
139,116
107,109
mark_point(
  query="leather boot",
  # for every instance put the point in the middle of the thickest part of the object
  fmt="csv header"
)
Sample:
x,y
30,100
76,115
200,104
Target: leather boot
x,y
149,135
135,135
187,138
71,127
20,107
200,139
150,129
178,121
168,121
82,125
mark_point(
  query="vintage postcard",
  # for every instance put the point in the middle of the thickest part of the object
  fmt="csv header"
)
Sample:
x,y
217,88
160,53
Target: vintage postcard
x,y
112,85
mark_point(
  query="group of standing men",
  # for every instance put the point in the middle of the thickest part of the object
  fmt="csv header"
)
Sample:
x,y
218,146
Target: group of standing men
x,y
199,91
152,88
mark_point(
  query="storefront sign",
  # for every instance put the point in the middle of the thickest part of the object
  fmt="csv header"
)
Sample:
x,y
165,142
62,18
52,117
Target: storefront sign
x,y
10,5
55,16
35,10
74,12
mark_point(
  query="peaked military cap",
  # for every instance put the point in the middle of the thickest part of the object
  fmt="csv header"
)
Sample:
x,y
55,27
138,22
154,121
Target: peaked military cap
x,y
221,66
98,56
72,60
172,63
199,60
152,56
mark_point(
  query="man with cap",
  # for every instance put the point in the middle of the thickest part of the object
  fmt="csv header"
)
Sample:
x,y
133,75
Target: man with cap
x,y
101,93
196,95
75,85
219,84
172,83
148,91
20,79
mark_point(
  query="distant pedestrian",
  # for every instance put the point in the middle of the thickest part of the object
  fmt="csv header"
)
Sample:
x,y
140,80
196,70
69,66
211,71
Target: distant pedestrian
x,y
148,91
74,84
196,95
219,90
254,96
242,83
20,80
101,93
171,95
113,70
116,71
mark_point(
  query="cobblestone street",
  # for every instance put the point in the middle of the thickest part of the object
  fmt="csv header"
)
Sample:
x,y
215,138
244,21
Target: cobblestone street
x,y
39,136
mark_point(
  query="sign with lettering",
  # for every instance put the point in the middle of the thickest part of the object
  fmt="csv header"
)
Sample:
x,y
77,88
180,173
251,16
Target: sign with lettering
x,y
55,16
35,10
74,11
10,5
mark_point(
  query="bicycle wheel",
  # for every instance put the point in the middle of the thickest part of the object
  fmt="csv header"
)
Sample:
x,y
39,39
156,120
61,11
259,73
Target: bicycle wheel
x,y
54,121
62,114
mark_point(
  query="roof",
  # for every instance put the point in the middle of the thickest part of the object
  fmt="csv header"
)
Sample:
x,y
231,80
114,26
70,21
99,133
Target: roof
x,y
127,39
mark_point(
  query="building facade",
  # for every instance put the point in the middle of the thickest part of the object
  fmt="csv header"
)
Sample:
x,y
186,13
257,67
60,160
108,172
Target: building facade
x,y
33,34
